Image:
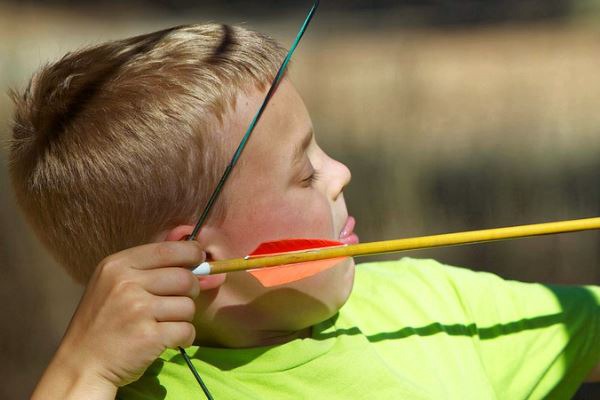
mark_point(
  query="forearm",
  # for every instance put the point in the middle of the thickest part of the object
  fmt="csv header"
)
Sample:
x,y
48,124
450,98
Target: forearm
x,y
64,379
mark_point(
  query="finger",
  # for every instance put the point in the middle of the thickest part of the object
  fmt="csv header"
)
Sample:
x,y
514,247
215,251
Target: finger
x,y
173,309
157,255
175,334
170,282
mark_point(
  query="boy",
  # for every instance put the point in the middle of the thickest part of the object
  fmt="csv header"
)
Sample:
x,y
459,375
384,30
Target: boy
x,y
120,144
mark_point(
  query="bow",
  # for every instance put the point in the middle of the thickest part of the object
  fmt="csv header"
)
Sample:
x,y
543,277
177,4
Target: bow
x,y
233,162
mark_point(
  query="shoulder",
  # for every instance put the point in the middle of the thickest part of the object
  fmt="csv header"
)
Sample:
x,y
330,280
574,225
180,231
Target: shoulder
x,y
410,272
431,276
441,290
407,291
426,289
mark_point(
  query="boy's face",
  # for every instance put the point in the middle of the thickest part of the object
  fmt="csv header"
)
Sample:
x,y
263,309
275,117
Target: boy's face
x,y
284,186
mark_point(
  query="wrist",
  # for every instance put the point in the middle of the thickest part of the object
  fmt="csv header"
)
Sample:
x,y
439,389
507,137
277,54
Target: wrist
x,y
69,377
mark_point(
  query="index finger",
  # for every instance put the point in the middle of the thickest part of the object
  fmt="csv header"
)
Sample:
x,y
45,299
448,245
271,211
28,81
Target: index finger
x,y
185,254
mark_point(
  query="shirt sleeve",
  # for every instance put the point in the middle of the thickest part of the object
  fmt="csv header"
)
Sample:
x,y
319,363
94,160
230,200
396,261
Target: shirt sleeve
x,y
535,340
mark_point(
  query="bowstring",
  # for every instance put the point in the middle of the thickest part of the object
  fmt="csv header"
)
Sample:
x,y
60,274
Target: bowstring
x,y
233,162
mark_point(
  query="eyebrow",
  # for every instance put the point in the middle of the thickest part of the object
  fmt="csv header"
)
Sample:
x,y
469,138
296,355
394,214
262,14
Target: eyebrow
x,y
299,148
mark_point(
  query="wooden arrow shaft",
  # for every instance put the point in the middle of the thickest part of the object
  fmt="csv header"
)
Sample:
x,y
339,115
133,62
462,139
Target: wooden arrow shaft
x,y
398,245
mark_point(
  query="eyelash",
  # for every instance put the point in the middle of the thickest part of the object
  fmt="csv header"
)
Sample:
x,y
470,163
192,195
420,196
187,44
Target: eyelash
x,y
312,178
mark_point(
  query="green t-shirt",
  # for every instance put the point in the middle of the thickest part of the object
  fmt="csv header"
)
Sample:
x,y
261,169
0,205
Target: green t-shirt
x,y
411,329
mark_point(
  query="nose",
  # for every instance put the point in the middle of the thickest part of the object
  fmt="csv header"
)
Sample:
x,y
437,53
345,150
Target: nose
x,y
341,177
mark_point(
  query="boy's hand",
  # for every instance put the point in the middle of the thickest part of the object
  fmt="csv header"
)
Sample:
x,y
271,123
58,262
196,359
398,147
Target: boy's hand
x,y
138,302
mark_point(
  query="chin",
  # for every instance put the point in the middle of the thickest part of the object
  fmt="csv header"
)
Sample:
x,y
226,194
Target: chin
x,y
298,305
346,284
329,292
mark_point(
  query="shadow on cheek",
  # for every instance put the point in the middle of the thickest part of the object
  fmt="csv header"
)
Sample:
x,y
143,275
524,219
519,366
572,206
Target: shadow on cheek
x,y
336,283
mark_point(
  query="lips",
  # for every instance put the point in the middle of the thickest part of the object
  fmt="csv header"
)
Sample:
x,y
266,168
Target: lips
x,y
347,234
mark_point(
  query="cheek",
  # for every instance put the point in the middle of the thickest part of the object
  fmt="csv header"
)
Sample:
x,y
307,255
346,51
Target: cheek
x,y
293,216
308,217
297,215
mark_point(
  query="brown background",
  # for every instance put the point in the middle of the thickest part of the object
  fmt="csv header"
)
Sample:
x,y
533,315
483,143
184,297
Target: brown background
x,y
451,117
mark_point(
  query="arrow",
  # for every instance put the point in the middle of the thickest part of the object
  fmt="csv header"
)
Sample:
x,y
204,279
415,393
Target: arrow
x,y
294,259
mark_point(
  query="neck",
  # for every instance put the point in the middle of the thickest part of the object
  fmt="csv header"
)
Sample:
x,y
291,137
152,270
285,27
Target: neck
x,y
228,317
229,339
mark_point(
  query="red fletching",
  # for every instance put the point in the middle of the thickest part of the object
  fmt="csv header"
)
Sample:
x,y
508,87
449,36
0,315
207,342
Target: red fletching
x,y
282,274
287,245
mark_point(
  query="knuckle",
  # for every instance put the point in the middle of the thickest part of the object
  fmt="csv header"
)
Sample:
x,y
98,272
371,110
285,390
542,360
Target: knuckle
x,y
138,307
148,334
184,280
109,265
188,334
127,293
165,250
181,334
125,287
188,308
198,252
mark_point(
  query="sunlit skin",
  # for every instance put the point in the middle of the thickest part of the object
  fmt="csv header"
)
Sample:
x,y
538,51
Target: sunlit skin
x,y
269,198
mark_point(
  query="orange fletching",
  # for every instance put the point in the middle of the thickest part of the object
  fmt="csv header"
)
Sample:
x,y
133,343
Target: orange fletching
x,y
282,274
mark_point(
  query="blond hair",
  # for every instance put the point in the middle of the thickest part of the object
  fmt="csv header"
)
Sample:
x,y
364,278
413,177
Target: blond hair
x,y
115,143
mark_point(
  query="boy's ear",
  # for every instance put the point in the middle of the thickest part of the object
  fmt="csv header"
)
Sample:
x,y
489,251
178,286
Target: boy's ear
x,y
180,232
207,240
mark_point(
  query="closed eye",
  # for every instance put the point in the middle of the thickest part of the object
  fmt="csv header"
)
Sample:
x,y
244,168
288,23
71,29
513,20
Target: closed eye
x,y
309,181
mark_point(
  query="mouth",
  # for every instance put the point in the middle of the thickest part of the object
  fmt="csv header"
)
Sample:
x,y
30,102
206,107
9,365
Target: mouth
x,y
347,234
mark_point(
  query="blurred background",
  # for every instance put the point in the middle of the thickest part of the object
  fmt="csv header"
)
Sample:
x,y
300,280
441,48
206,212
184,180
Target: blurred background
x,y
452,115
